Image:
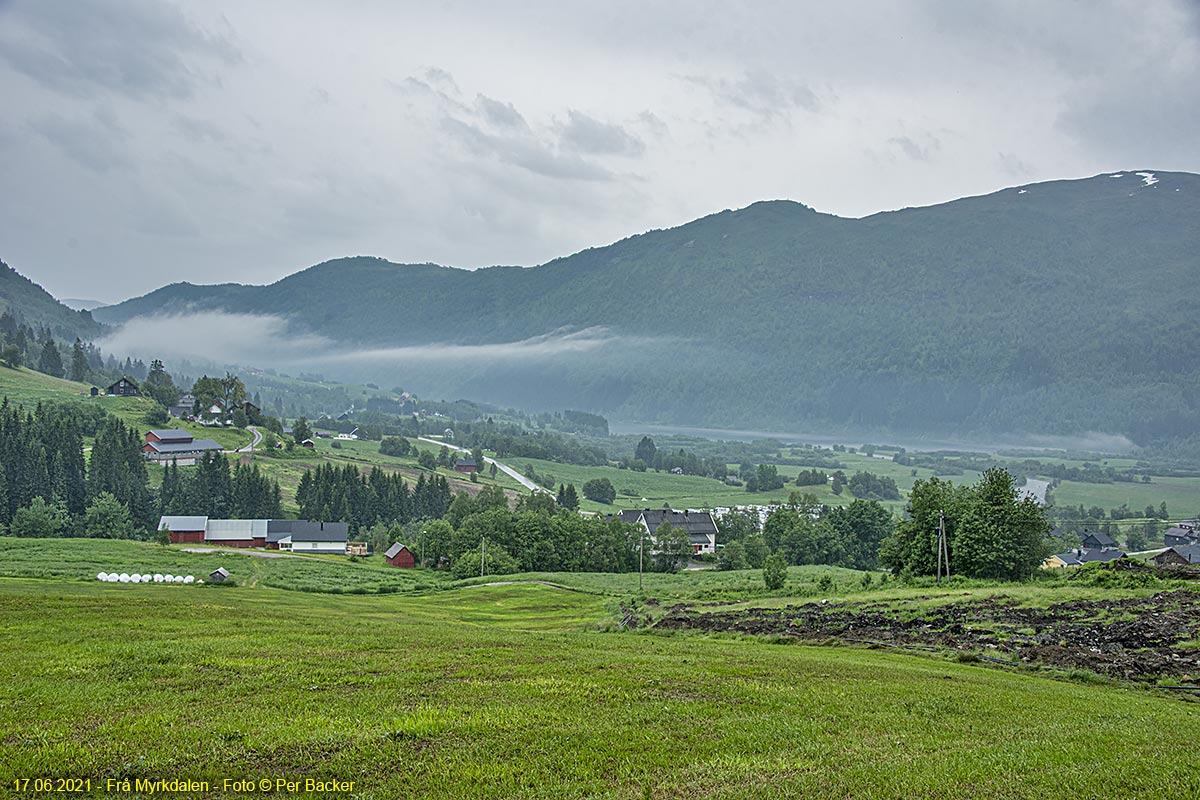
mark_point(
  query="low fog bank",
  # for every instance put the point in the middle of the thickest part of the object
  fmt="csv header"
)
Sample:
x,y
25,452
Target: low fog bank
x,y
265,340
1092,442
668,382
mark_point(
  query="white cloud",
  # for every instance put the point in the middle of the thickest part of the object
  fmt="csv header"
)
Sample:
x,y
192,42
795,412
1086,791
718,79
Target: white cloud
x,y
229,338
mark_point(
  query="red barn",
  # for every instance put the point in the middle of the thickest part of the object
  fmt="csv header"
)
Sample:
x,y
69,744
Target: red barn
x,y
171,436
399,556
467,465
184,530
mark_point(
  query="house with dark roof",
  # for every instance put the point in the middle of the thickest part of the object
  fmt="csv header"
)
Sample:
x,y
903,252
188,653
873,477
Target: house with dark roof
x,y
302,536
184,408
176,445
1181,534
168,435
1079,557
467,465
1095,540
126,387
699,524
1184,554
1105,554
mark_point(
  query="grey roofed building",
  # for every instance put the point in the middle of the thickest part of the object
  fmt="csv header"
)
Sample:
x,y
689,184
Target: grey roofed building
x,y
1180,534
194,446
1104,554
1179,554
1096,539
218,575
171,435
700,522
182,523
702,531
1070,559
393,550
304,531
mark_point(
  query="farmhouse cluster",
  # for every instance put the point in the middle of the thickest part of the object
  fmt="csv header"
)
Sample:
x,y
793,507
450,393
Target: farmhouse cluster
x,y
1093,547
290,535
1183,544
273,534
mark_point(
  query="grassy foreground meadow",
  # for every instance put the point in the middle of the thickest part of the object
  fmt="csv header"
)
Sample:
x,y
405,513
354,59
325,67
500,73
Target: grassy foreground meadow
x,y
523,691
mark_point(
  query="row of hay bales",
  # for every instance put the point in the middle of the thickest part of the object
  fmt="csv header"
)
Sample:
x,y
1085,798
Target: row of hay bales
x,y
125,577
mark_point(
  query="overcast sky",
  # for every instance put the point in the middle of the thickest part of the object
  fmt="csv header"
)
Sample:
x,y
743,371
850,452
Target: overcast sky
x,y
145,142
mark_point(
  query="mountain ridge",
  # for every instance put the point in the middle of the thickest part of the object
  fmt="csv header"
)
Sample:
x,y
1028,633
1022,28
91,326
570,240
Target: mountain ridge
x,y
37,307
983,313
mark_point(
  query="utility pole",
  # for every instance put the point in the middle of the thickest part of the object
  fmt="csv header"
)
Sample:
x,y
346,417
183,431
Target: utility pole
x,y
943,550
482,553
641,546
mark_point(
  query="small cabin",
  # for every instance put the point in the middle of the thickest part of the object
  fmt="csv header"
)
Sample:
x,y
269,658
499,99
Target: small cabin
x,y
399,556
218,575
126,387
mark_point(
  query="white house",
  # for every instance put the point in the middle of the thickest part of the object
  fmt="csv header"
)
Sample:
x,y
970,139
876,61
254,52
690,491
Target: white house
x,y
699,525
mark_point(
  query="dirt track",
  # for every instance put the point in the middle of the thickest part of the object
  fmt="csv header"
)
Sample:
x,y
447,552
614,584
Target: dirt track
x,y
1138,638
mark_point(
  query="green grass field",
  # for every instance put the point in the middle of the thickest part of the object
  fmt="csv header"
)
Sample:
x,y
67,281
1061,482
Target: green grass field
x,y
511,691
82,559
1182,495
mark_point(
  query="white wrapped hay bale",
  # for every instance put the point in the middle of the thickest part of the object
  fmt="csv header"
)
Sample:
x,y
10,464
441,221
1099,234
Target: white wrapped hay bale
x,y
158,578
123,577
101,576
189,579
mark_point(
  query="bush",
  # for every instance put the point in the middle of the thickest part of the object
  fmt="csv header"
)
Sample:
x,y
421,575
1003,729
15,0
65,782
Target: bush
x,y
395,446
157,416
775,572
600,490
39,519
497,561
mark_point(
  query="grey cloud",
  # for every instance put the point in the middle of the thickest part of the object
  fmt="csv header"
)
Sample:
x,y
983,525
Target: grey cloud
x,y
196,129
443,80
96,142
761,93
524,151
140,49
588,135
501,115
653,123
915,151
1010,164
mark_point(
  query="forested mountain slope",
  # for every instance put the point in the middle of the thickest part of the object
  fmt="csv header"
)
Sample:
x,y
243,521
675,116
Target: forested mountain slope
x,y
1058,307
38,308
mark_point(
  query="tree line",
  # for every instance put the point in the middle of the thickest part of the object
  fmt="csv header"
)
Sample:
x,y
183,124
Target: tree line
x,y
345,494
48,487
